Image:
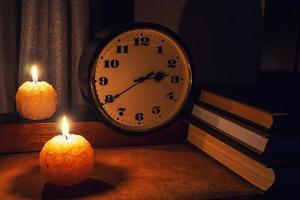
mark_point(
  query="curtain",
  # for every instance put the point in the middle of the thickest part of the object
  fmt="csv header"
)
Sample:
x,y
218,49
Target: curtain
x,y
8,54
53,34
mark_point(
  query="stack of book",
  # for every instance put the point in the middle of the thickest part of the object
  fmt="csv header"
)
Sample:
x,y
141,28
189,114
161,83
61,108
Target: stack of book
x,y
252,131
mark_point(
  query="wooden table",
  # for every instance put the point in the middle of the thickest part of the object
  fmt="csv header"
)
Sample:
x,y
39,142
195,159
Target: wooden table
x,y
177,171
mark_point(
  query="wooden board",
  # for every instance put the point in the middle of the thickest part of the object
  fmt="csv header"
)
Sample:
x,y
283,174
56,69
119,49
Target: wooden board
x,y
21,135
135,173
26,137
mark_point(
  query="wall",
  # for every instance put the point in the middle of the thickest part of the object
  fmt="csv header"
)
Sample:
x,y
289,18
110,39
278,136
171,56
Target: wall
x,y
224,36
281,36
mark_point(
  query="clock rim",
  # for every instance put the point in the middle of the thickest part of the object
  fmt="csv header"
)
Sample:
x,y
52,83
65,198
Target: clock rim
x,y
102,38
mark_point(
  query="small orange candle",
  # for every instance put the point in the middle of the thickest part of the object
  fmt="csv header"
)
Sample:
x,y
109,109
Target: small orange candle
x,y
66,159
36,99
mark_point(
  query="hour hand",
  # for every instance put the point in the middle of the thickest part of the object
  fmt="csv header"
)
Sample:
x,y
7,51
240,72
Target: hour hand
x,y
143,78
158,76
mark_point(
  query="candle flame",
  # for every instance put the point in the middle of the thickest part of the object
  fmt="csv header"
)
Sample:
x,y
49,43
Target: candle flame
x,y
34,73
65,127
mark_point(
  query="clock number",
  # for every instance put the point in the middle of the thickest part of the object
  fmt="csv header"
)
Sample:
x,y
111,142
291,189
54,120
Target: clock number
x,y
156,109
103,80
113,63
159,50
139,116
175,79
172,63
122,49
109,99
141,41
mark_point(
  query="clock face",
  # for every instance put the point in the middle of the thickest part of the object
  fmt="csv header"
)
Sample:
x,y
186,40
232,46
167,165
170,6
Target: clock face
x,y
141,79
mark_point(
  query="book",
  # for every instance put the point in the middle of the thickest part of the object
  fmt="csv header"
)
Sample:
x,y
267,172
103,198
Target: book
x,y
251,137
264,159
265,178
274,107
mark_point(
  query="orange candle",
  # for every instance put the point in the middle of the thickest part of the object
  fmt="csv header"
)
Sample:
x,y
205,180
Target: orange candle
x,y
36,99
66,159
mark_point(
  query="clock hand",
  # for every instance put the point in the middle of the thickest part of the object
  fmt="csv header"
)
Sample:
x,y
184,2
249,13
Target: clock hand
x,y
137,81
119,94
159,76
143,78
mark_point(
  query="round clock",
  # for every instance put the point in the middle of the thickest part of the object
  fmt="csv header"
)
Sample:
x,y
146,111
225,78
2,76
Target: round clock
x,y
137,78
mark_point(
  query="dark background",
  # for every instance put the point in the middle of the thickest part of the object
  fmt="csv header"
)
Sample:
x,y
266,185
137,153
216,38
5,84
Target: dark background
x,y
231,41
223,36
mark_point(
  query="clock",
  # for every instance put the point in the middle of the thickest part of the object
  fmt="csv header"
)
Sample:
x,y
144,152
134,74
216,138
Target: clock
x,y
137,78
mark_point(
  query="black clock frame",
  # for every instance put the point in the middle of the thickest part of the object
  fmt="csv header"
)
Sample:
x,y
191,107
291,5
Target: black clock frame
x,y
90,56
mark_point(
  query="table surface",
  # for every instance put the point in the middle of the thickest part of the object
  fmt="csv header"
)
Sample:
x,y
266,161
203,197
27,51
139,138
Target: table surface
x,y
143,172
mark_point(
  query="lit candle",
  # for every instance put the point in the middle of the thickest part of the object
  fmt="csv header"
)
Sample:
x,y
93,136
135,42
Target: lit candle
x,y
66,159
36,99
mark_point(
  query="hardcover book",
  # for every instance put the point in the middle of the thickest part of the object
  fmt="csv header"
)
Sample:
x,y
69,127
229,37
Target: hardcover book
x,y
262,142
274,107
284,178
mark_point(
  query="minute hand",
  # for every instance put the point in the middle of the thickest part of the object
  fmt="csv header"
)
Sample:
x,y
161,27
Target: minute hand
x,y
138,81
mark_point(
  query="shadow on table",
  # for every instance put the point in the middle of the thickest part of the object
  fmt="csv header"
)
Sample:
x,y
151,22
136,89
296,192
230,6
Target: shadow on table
x,y
31,184
88,187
